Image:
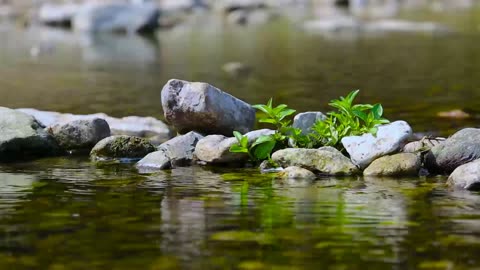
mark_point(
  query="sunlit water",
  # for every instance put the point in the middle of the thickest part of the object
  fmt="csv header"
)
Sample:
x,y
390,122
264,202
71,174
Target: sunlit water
x,y
72,214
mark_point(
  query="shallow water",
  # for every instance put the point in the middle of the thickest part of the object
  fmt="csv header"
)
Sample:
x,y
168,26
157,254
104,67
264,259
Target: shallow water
x,y
68,213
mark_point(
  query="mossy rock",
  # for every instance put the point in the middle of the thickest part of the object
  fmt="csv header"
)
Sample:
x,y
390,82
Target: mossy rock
x,y
121,148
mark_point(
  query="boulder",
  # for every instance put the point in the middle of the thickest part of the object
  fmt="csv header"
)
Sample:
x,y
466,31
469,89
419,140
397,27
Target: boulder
x,y
146,127
123,148
215,149
176,152
294,172
196,106
389,139
323,161
23,137
403,164
80,134
117,17
461,148
306,120
423,145
466,176
57,14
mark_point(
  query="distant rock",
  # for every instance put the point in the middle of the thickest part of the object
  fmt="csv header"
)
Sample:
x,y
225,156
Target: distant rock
x,y
58,14
323,161
215,149
463,147
122,148
237,69
390,25
80,134
117,17
23,137
196,106
294,172
146,127
466,176
334,24
454,114
403,164
389,139
306,120
176,152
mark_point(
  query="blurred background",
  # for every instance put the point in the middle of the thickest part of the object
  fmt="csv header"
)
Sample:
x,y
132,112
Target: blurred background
x,y
419,58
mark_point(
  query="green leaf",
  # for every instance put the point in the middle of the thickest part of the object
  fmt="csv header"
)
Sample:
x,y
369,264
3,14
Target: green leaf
x,y
238,135
377,111
267,120
269,103
244,142
285,113
238,149
261,107
362,107
262,151
360,115
263,139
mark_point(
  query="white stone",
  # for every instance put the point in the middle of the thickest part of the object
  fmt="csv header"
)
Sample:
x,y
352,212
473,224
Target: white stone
x,y
366,148
466,176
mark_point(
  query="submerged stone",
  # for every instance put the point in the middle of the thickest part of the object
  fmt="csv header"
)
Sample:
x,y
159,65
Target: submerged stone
x,y
121,148
389,139
197,106
294,172
403,164
466,176
23,137
80,134
326,162
461,148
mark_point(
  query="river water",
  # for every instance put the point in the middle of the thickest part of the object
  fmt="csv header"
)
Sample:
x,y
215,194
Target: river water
x,y
68,213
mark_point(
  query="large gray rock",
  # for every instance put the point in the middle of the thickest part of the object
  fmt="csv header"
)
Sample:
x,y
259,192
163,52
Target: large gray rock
x,y
327,161
403,164
146,127
117,17
294,172
57,14
196,106
466,176
127,148
215,149
366,148
80,134
461,148
306,120
23,137
176,152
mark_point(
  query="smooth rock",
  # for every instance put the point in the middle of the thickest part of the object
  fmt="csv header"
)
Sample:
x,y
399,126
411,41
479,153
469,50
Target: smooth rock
x,y
237,69
466,176
390,25
389,139
326,162
23,137
123,148
267,167
215,149
80,134
196,106
306,120
403,164
334,24
463,147
425,144
176,152
294,172
146,127
58,14
117,17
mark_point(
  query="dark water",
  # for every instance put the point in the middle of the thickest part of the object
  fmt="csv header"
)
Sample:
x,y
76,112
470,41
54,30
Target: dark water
x,y
73,214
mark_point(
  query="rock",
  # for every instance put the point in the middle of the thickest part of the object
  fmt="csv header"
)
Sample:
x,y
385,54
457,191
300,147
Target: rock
x,y
80,134
334,24
237,69
324,161
117,17
390,25
267,167
466,176
176,152
23,137
306,120
57,14
366,148
196,106
294,172
215,149
425,144
146,127
454,114
461,148
123,148
403,164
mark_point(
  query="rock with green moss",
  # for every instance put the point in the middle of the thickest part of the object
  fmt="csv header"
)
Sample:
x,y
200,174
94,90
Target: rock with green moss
x,y
324,161
294,172
403,164
121,148
23,137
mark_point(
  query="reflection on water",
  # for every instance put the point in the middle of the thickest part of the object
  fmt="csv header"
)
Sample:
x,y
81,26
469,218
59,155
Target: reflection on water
x,y
110,217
